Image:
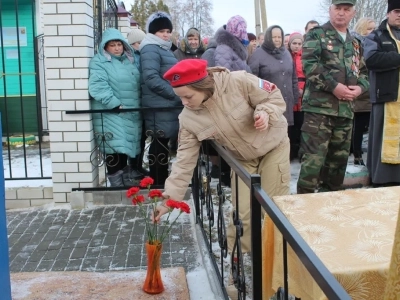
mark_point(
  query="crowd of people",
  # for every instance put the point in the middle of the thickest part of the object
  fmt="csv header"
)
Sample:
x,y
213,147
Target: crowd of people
x,y
268,99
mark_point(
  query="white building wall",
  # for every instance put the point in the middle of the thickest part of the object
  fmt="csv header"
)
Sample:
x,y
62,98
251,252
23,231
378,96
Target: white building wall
x,y
124,25
68,48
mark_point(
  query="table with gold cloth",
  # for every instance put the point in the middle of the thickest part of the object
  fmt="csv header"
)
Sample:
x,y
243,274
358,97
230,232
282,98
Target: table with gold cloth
x,y
351,231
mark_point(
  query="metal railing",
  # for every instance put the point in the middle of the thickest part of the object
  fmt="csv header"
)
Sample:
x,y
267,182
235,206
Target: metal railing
x,y
104,16
204,206
155,159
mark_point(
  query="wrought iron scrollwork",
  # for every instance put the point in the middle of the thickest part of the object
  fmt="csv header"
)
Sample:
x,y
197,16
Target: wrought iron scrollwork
x,y
204,196
237,266
98,155
163,158
221,227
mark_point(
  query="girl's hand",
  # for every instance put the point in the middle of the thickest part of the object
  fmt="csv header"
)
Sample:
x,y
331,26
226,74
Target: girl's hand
x,y
261,120
160,211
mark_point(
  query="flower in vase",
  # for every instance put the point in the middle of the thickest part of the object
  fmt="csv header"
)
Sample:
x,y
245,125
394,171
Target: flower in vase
x,y
154,234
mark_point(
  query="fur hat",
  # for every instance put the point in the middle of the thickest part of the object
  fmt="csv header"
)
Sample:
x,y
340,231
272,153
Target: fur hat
x,y
136,35
186,72
295,35
392,5
237,26
158,21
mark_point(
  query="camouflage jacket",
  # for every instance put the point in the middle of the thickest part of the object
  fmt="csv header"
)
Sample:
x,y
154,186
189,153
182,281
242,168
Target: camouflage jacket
x,y
327,61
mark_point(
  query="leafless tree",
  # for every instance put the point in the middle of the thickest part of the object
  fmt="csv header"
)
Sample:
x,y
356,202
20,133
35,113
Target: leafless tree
x,y
191,13
375,9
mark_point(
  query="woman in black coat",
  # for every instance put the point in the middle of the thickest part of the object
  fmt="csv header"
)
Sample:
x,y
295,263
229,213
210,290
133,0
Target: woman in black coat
x,y
156,58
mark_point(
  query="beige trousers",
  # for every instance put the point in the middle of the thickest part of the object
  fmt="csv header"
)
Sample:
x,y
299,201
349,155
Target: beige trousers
x,y
274,168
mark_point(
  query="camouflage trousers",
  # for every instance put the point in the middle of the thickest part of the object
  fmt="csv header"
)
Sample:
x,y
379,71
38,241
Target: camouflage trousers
x,y
324,149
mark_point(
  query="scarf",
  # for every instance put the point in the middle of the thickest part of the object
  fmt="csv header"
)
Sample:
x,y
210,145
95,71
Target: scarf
x,y
269,47
151,39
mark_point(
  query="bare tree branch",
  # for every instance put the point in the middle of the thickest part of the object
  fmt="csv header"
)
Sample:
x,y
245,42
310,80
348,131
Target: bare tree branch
x,y
375,9
191,13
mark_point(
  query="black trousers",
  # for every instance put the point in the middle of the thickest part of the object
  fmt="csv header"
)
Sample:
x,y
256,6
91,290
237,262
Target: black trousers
x,y
116,162
360,125
158,160
294,133
137,162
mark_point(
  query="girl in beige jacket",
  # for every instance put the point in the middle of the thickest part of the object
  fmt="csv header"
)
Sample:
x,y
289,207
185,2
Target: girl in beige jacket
x,y
240,112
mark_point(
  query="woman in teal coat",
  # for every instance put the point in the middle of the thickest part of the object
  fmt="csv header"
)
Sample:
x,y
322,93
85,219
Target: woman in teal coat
x,y
114,83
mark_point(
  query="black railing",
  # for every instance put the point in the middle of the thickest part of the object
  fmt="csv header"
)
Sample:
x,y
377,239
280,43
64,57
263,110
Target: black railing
x,y
158,160
104,16
205,218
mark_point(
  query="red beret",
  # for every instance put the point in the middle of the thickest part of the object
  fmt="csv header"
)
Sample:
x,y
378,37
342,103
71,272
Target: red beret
x,y
186,72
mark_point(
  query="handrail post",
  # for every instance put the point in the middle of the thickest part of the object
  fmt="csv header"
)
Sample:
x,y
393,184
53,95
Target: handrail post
x,y
256,238
195,191
5,285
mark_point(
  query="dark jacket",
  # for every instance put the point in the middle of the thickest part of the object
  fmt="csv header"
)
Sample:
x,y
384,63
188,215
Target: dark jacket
x,y
383,62
280,72
276,65
328,61
230,52
156,59
208,55
184,51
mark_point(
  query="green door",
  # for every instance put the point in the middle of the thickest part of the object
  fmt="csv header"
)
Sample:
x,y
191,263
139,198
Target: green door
x,y
18,99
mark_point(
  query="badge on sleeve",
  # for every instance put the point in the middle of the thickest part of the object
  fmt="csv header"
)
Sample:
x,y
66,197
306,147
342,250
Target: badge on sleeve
x,y
266,85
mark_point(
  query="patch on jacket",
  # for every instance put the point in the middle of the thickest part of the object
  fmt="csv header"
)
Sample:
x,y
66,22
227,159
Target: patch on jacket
x,y
266,85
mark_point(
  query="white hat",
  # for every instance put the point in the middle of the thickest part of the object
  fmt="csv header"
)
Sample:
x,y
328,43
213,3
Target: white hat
x,y
136,35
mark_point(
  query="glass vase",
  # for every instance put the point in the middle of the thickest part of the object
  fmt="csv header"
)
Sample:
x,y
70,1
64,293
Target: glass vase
x,y
153,283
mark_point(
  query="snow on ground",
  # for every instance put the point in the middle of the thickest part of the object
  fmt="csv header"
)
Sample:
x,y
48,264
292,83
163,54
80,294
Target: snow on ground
x,y
199,278
36,166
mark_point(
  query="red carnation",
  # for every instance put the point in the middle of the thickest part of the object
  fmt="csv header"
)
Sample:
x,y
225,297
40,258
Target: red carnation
x,y
138,199
172,204
183,206
155,194
132,191
146,182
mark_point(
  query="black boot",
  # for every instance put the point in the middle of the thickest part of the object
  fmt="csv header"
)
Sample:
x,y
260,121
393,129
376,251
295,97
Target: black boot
x,y
358,161
131,177
215,171
116,179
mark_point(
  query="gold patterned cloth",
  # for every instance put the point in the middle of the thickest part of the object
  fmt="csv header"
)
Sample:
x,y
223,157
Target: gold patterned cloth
x,y
393,282
351,231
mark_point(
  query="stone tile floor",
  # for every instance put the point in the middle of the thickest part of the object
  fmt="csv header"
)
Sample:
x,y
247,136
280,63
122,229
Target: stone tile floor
x,y
105,238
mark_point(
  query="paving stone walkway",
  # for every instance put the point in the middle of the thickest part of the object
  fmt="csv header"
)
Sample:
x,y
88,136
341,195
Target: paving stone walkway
x,y
106,238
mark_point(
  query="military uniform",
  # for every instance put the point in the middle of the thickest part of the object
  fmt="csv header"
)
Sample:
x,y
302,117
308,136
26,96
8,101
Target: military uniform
x,y
326,131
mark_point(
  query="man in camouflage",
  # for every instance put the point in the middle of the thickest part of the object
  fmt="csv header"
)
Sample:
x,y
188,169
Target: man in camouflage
x,y
336,76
